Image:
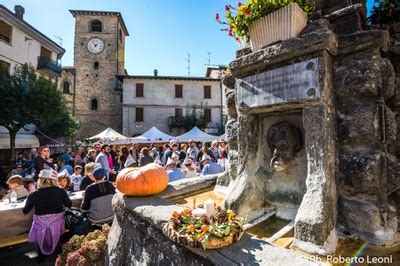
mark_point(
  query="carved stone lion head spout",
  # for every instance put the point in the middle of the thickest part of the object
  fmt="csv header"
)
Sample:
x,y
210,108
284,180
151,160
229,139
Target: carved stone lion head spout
x,y
284,141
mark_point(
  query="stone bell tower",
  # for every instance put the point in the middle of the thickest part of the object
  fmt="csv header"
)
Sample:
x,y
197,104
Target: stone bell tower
x,y
99,49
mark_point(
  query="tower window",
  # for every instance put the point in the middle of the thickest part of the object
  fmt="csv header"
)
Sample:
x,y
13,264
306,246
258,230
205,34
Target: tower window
x,y
93,104
66,87
96,25
96,65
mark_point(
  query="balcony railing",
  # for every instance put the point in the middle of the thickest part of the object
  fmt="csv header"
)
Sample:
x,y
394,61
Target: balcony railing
x,y
48,65
175,121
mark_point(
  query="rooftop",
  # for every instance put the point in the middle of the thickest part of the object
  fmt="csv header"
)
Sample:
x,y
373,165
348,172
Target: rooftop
x,y
102,13
32,30
122,77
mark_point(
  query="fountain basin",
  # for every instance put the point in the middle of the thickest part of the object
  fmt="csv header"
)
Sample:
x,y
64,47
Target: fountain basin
x,y
136,235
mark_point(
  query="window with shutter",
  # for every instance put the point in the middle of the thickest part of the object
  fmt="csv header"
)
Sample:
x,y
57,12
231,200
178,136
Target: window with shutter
x,y
139,90
207,92
139,114
178,91
207,114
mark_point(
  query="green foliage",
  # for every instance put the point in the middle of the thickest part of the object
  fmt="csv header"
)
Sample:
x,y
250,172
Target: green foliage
x,y
195,117
26,98
386,12
239,18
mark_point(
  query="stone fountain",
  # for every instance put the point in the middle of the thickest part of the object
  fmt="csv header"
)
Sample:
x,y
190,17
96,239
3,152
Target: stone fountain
x,y
313,139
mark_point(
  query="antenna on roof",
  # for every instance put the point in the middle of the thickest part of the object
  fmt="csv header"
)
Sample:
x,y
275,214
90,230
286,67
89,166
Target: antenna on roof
x,y
60,41
188,61
208,59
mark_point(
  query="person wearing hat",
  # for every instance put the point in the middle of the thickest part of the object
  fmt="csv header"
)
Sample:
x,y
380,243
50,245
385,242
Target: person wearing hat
x,y
189,170
49,202
209,167
205,150
64,181
98,197
15,183
174,173
175,158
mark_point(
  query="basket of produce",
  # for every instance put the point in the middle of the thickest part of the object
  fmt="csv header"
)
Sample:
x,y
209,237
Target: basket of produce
x,y
205,229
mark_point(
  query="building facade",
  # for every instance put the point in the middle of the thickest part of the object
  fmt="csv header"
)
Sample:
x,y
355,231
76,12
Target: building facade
x,y
21,43
91,87
163,101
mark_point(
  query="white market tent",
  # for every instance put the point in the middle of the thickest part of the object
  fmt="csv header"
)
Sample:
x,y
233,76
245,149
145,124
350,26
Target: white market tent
x,y
138,139
24,139
108,134
197,135
154,135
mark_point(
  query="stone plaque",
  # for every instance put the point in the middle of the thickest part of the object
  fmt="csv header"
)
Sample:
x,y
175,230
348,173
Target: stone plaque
x,y
293,83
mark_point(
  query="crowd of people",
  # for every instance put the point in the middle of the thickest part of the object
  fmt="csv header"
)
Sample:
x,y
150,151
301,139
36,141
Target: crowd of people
x,y
39,176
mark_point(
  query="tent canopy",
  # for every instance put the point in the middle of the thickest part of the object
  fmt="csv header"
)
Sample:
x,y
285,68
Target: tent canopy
x,y
22,141
197,135
155,135
107,135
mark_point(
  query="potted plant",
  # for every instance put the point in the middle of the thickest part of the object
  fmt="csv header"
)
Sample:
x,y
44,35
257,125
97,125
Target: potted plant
x,y
263,22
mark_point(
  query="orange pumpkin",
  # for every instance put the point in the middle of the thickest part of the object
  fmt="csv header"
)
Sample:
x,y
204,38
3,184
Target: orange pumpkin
x,y
144,181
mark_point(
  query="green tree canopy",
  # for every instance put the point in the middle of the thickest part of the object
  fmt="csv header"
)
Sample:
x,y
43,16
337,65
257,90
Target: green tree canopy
x,y
195,117
385,12
26,98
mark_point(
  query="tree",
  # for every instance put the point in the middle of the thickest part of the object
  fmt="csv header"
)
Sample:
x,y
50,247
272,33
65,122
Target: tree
x,y
195,117
26,98
386,12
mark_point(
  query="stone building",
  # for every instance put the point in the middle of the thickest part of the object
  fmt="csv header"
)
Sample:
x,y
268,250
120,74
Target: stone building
x,y
163,101
21,43
91,87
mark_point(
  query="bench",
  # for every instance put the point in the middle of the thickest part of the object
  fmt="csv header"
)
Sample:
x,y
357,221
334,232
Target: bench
x,y
14,240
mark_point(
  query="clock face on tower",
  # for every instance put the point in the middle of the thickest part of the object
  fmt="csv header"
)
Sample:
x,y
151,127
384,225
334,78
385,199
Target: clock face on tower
x,y
95,45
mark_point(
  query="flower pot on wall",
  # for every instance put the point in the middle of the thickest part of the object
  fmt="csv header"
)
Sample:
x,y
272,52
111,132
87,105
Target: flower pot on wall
x,y
283,24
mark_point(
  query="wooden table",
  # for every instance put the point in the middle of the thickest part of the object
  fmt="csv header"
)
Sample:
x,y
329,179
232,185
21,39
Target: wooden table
x,y
13,222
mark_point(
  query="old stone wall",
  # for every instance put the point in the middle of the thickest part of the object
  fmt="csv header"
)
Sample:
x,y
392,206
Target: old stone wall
x,y
364,83
101,83
67,75
137,238
350,132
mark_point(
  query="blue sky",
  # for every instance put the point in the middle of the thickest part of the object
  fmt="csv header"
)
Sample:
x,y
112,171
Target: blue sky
x,y
162,32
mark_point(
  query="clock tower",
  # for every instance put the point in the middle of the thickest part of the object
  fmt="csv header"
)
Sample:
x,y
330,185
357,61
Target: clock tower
x,y
99,48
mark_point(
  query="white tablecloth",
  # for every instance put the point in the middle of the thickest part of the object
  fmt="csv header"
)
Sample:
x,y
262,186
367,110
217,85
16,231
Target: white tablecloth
x,y
13,222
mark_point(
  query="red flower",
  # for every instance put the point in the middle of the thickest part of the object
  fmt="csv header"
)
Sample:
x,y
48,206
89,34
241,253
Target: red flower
x,y
227,7
217,18
230,33
240,4
246,11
